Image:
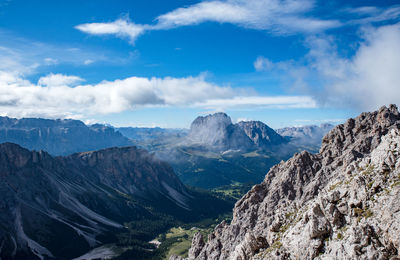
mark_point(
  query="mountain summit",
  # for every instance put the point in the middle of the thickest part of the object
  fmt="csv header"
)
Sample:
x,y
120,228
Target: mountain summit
x,y
342,203
262,135
218,131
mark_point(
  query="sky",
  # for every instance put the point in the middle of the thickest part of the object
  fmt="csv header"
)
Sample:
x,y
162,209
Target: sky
x,y
163,63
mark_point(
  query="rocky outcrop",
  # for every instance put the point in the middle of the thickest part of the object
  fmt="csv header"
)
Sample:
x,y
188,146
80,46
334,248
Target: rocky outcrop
x,y
262,135
59,137
342,203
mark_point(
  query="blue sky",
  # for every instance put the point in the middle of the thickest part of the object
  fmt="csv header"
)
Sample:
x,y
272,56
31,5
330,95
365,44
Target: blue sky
x,y
162,63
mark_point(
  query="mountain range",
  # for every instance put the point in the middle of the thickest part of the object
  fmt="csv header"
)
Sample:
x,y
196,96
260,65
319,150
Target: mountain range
x,y
213,152
308,137
61,207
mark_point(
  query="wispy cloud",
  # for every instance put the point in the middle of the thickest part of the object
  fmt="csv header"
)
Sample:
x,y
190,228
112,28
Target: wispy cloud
x,y
122,28
280,17
277,16
26,56
259,102
274,16
58,95
372,14
59,80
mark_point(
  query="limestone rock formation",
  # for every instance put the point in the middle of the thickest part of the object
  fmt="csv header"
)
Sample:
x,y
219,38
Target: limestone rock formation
x,y
217,131
342,203
262,135
59,137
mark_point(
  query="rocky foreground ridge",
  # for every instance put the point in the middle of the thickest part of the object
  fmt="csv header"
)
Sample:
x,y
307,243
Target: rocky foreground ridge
x,y
342,203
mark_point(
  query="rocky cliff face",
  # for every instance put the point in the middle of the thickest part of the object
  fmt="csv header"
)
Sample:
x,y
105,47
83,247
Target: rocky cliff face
x,y
60,207
342,203
132,171
217,131
59,137
261,135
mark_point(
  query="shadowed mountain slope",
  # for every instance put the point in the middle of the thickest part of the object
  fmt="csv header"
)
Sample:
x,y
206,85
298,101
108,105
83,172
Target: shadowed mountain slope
x,y
60,207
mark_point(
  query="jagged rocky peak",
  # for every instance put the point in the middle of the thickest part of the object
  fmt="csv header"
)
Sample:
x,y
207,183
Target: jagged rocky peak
x,y
261,134
342,203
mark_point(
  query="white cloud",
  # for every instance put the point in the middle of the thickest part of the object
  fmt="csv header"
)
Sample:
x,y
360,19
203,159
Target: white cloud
x,y
364,81
371,77
259,102
27,56
372,14
279,16
275,16
50,61
59,80
262,63
55,97
122,28
88,62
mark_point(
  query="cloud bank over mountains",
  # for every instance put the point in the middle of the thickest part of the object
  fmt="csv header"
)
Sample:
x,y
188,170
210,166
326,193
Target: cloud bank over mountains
x,y
58,95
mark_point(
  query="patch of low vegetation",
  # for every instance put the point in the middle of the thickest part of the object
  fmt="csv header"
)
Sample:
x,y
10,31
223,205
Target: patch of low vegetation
x,y
363,213
340,232
397,183
369,170
275,246
334,186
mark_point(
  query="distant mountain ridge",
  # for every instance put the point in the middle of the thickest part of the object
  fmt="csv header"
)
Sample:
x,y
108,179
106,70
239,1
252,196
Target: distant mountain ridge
x,y
59,137
309,134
